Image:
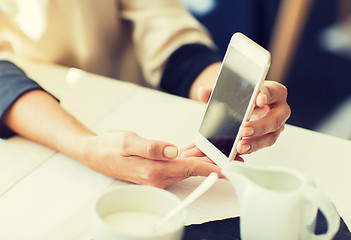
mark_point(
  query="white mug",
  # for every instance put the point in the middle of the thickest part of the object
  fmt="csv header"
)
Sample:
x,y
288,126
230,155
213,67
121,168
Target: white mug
x,y
131,212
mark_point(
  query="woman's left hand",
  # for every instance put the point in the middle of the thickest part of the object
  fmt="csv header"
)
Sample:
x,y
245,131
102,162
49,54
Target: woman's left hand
x,y
267,120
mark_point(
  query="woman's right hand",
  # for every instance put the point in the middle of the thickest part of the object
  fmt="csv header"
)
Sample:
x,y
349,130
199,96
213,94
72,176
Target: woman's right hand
x,y
127,156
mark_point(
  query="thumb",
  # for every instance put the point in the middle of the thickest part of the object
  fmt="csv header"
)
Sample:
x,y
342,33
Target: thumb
x,y
151,149
204,94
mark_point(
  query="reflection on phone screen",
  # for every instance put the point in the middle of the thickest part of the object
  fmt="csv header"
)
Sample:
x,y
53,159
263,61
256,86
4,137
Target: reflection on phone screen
x,y
229,101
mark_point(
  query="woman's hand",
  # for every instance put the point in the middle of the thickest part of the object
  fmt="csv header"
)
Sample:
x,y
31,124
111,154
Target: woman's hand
x,y
127,156
267,120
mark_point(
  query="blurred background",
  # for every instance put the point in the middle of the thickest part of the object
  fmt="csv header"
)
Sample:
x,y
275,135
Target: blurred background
x,y
310,43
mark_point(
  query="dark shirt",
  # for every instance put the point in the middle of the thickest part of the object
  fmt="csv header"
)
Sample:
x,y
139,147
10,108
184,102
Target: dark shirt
x,y
13,84
182,67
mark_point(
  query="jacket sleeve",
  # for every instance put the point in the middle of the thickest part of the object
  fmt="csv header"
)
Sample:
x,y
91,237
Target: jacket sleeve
x,y
160,28
13,84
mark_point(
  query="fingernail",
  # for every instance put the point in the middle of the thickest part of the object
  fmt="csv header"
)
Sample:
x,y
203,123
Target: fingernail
x,y
170,152
248,131
264,99
244,148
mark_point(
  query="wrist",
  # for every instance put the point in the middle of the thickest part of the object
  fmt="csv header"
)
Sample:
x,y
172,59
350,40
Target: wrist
x,y
87,144
77,145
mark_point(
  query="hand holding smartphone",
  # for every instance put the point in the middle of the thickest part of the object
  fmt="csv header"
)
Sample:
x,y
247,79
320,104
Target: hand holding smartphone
x,y
243,71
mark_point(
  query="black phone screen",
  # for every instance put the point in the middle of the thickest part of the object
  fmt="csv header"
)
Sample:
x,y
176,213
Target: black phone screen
x,y
229,101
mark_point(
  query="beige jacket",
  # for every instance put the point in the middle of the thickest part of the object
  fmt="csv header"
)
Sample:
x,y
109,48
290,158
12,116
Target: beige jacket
x,y
124,39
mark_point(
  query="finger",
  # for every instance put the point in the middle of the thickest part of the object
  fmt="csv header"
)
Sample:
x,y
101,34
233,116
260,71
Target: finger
x,y
199,168
150,172
239,158
193,152
186,148
133,144
184,168
270,93
165,173
252,144
190,146
271,122
204,94
202,158
259,112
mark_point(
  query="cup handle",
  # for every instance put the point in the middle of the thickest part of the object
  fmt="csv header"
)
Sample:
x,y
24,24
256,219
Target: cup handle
x,y
327,208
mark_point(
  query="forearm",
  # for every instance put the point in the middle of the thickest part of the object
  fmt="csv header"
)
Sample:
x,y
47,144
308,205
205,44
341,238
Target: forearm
x,y
36,115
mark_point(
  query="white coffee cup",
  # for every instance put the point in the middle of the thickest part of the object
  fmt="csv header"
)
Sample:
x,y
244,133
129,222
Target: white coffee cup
x,y
131,212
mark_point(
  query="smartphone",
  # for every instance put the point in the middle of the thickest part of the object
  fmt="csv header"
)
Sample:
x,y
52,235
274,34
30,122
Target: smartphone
x,y
242,73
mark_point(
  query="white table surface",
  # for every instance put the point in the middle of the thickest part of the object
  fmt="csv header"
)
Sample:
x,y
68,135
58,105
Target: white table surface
x,y
47,195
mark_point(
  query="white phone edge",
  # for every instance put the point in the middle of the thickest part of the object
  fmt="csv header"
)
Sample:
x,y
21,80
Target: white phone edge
x,y
262,58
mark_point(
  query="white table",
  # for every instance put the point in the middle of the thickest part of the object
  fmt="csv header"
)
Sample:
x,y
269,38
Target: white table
x,y
46,195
